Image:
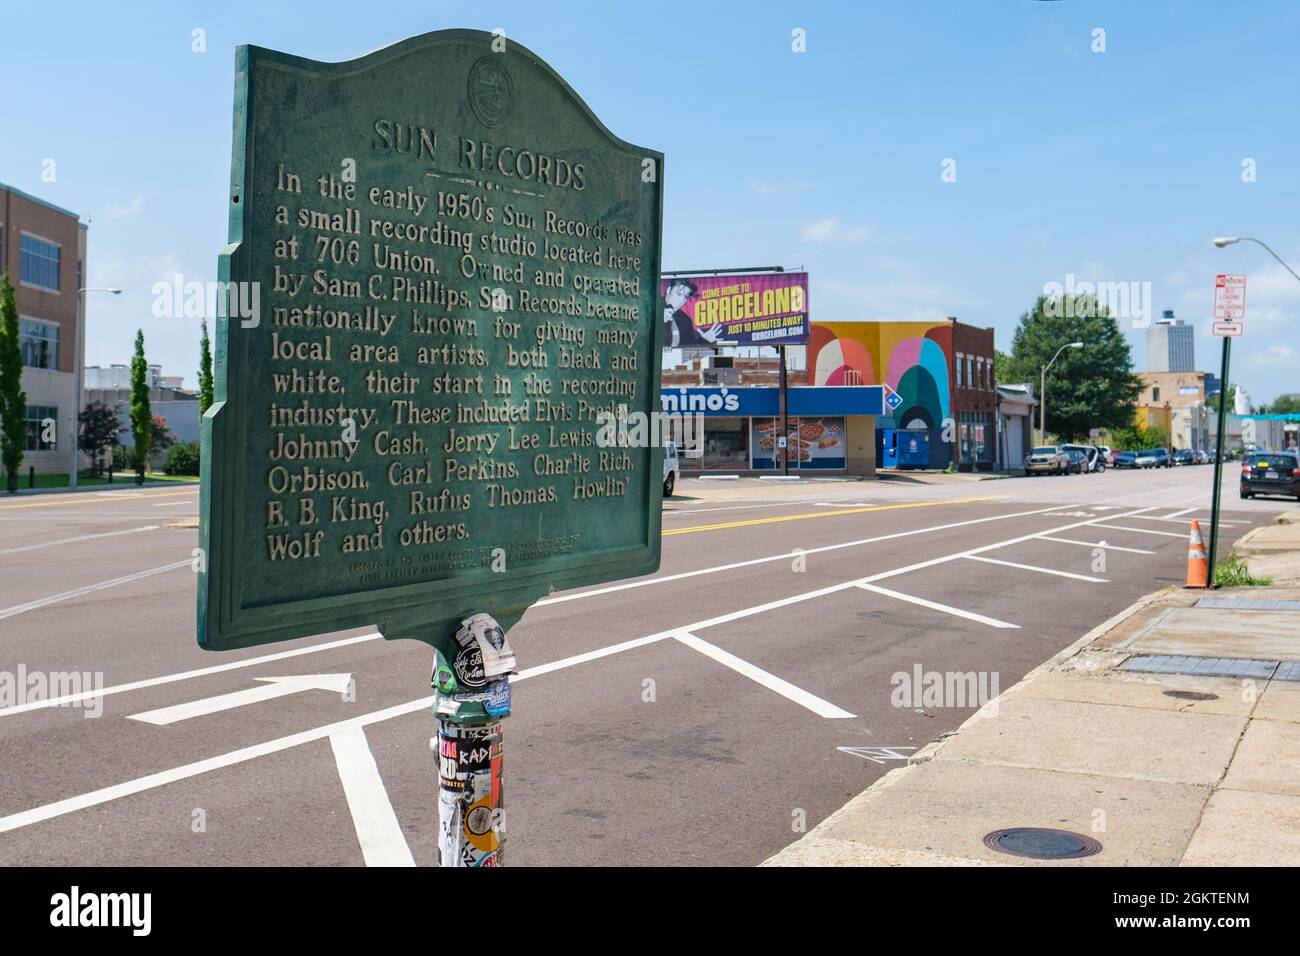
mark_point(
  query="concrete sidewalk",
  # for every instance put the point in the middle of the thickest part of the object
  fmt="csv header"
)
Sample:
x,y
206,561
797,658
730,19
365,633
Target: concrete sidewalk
x,y
1170,734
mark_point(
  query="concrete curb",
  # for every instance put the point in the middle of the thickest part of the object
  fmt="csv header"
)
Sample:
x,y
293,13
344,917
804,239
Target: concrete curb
x,y
96,488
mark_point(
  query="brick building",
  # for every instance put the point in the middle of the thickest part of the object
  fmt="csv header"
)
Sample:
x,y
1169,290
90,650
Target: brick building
x,y
43,248
974,397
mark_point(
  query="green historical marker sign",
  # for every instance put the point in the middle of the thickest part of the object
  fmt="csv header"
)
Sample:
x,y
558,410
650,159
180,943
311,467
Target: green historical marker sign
x,y
442,275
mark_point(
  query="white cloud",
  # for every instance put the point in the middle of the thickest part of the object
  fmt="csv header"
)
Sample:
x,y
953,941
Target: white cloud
x,y
118,210
900,294
832,230
1275,356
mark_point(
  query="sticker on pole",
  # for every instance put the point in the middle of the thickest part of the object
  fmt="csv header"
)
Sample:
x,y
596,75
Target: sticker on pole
x,y
1229,304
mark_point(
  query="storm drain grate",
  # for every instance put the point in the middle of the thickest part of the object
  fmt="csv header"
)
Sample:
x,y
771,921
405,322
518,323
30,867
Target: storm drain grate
x,y
1288,671
1248,604
1042,844
1191,695
1200,666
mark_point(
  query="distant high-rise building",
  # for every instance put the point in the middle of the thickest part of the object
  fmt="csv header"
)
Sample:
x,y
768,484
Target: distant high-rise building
x,y
1169,345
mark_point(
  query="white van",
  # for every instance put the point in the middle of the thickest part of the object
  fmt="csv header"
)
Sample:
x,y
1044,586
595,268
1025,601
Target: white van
x,y
672,467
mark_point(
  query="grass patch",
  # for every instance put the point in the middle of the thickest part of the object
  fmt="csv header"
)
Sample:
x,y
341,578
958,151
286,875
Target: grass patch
x,y
1232,572
84,480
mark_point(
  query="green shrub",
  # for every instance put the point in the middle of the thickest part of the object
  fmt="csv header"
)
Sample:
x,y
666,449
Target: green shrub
x,y
183,459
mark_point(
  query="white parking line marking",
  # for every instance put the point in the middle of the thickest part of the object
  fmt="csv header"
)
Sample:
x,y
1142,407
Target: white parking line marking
x,y
378,832
90,589
84,537
176,504
1185,521
83,801
1176,514
681,575
187,675
798,695
1032,567
373,636
270,689
1120,527
936,606
1095,544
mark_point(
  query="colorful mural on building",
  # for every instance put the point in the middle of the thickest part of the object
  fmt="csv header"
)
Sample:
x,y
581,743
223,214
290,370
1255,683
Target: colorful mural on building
x,y
912,358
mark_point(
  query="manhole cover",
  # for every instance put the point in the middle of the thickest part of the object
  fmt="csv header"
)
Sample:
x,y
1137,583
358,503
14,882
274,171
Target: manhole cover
x,y
1042,844
1190,695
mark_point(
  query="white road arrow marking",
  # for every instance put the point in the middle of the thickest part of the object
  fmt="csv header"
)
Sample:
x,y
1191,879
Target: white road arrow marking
x,y
272,688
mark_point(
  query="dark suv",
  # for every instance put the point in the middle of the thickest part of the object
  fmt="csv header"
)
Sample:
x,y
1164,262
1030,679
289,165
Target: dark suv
x,y
1270,473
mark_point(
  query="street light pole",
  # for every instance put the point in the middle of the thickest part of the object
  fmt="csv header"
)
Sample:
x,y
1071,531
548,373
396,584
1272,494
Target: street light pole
x,y
78,362
1222,241
1042,390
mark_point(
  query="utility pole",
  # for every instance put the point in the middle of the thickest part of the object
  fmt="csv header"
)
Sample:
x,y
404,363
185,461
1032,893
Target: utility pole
x,y
1042,391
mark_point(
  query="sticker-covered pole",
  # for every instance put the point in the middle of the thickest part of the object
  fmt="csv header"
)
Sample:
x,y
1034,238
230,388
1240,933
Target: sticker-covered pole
x,y
471,681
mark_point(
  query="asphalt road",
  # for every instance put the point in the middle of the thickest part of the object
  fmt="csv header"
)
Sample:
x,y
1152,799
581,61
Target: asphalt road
x,y
698,716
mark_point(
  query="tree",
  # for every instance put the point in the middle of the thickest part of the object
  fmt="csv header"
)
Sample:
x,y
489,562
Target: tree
x,y
99,431
205,371
1283,405
1001,367
163,437
1089,387
1138,437
13,402
141,414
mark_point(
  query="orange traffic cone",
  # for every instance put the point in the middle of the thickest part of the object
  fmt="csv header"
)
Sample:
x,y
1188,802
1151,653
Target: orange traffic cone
x,y
1198,563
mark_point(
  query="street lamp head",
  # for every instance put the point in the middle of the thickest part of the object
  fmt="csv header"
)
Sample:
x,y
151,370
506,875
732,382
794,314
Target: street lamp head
x,y
115,291
1075,345
1222,241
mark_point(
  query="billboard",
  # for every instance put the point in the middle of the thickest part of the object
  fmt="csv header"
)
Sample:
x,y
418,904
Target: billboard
x,y
764,309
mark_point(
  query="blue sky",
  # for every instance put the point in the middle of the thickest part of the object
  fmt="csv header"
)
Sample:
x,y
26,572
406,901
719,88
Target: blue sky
x,y
1115,166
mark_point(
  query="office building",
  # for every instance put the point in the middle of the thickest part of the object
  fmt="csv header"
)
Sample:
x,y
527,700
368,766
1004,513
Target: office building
x,y
1170,345
43,248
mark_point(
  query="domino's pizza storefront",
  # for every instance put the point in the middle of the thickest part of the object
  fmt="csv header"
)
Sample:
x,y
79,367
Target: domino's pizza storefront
x,y
830,429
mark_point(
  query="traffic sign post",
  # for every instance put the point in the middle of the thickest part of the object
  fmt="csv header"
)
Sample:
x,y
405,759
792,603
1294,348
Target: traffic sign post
x,y
1229,313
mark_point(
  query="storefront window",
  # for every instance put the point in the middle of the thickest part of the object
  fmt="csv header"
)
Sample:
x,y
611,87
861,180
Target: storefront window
x,y
810,443
726,444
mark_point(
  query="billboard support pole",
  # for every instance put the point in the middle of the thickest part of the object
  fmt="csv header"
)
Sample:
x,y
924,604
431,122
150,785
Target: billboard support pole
x,y
784,432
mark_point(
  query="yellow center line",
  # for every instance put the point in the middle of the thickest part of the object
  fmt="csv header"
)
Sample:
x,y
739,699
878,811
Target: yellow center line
x,y
124,496
829,514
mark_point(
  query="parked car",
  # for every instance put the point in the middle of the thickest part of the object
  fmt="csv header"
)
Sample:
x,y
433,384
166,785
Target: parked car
x,y
1092,456
1153,458
1078,460
1124,459
1184,456
1270,473
672,467
1047,460
1200,457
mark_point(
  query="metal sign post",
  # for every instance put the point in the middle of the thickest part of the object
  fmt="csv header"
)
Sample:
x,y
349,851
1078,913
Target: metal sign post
x,y
1229,311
